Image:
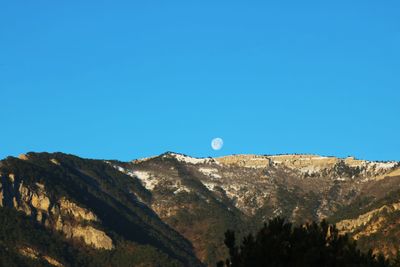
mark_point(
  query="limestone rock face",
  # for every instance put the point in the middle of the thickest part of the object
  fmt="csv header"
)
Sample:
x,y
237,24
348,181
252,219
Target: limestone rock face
x,y
62,214
54,161
39,200
90,236
52,261
29,252
11,176
249,161
34,254
23,157
77,212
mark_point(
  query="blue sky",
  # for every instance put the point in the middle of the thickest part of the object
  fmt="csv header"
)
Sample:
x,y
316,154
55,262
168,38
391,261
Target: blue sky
x,y
129,79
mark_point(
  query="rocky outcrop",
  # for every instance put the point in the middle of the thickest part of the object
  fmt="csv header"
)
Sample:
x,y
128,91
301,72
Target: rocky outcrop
x,y
23,157
29,252
32,201
247,161
367,223
90,235
54,161
34,254
62,214
316,165
80,214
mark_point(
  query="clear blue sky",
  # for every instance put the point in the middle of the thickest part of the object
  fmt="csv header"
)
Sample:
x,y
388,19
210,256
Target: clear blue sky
x,y
129,79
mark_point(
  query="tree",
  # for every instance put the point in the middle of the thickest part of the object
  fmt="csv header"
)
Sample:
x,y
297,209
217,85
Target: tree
x,y
280,244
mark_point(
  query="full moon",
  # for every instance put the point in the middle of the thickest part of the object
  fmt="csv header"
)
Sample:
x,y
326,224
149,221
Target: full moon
x,y
217,143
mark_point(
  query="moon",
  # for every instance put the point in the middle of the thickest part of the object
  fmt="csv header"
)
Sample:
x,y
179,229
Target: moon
x,y
217,143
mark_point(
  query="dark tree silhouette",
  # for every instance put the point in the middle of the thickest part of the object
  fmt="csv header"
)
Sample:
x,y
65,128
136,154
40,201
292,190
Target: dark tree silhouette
x,y
280,244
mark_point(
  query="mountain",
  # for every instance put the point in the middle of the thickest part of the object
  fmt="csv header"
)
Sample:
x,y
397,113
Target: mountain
x,y
92,204
173,209
196,196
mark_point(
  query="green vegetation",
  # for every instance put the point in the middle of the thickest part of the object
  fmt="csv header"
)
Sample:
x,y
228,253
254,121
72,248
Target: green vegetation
x,y
138,233
342,169
18,231
280,244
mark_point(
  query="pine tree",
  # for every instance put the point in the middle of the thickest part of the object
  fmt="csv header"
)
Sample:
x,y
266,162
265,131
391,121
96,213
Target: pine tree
x,y
280,244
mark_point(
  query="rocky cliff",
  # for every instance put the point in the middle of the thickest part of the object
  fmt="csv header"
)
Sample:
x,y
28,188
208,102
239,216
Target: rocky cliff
x,y
60,214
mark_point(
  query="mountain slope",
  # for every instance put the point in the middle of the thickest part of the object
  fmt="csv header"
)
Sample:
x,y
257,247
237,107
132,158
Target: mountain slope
x,y
242,191
88,200
172,209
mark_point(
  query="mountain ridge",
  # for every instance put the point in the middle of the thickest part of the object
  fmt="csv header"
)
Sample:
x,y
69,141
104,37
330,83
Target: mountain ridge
x,y
261,155
182,205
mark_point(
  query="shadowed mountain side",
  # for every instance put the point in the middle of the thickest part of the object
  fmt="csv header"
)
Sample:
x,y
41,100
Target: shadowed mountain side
x,y
109,194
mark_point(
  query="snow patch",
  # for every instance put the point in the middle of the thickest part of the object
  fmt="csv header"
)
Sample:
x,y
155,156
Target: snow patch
x,y
182,189
232,191
382,165
179,187
146,178
213,173
210,186
277,212
187,159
